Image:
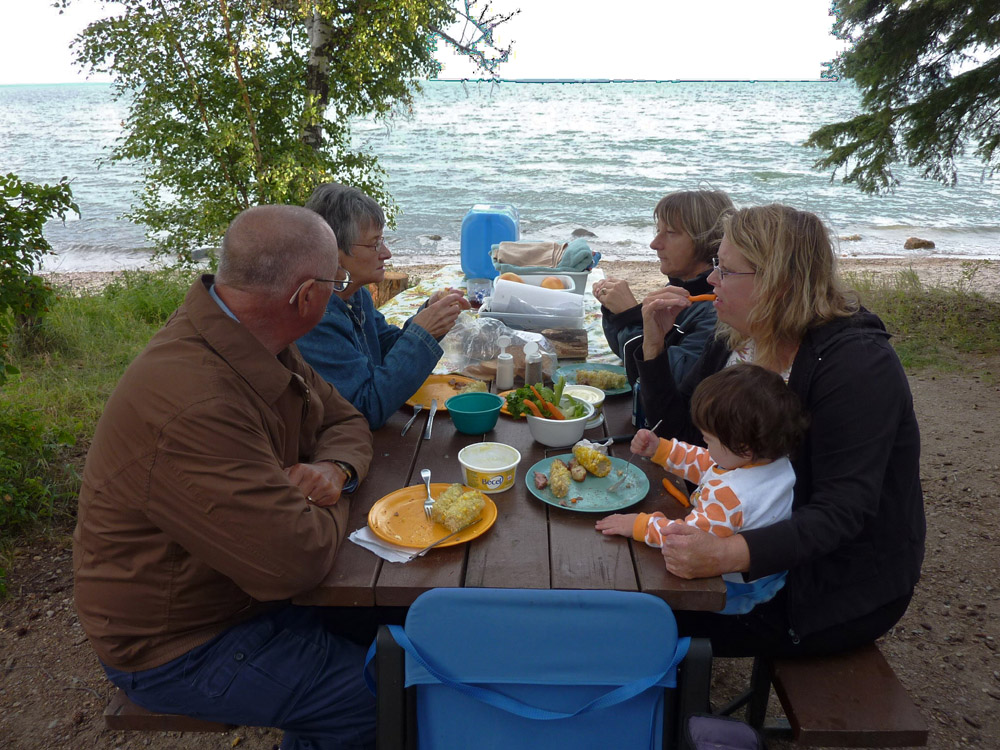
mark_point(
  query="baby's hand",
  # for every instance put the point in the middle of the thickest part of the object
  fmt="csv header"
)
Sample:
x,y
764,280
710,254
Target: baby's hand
x,y
617,523
645,443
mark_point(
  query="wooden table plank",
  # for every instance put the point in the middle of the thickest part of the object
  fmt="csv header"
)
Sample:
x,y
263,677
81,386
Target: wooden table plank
x,y
351,583
515,552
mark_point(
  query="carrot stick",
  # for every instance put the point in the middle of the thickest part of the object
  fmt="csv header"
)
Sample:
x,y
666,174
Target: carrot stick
x,y
553,410
677,494
702,298
534,409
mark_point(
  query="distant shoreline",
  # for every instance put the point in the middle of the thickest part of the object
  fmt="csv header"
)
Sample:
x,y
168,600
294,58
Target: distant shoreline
x,y
946,272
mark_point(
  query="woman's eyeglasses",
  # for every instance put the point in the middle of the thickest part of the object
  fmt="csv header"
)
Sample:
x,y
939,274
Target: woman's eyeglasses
x,y
723,274
339,285
376,246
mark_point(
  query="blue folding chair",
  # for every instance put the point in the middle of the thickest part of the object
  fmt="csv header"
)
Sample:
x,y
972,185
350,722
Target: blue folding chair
x,y
516,668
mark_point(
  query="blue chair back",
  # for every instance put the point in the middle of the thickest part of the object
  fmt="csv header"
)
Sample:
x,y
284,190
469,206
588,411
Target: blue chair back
x,y
511,668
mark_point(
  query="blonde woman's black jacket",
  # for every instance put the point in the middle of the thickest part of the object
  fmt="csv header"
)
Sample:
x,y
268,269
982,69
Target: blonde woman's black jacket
x,y
855,540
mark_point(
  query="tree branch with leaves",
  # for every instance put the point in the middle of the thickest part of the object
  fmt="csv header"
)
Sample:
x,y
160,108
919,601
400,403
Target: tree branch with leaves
x,y
236,103
929,75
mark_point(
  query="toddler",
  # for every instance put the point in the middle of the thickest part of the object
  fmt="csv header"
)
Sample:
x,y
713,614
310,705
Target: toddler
x,y
751,421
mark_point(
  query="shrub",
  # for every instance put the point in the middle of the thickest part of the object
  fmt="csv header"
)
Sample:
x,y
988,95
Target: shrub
x,y
24,209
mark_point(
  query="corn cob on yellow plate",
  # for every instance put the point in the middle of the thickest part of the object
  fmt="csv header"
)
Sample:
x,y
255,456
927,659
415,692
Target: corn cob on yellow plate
x,y
399,518
591,495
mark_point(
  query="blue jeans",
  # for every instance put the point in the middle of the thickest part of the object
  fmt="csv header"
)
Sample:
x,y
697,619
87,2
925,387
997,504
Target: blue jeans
x,y
282,669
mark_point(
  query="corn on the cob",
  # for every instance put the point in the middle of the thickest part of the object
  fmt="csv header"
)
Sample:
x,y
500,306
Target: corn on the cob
x,y
456,507
559,478
592,460
603,379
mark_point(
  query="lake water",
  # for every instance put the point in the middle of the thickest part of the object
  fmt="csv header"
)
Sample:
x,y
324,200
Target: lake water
x,y
574,155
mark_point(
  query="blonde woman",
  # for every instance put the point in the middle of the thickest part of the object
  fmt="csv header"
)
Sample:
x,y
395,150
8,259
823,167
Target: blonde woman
x,y
855,541
687,237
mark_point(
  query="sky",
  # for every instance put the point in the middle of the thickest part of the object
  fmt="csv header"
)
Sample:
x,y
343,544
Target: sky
x,y
561,39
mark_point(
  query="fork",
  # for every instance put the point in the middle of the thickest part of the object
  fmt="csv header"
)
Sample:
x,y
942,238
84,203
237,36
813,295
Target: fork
x,y
617,485
425,474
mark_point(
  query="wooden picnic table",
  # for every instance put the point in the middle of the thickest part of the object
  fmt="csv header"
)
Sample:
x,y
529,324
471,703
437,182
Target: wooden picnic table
x,y
531,545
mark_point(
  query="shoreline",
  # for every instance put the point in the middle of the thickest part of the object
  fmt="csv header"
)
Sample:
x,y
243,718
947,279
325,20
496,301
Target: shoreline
x,y
943,272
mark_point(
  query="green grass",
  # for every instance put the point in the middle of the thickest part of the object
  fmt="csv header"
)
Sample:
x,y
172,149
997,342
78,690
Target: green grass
x,y
70,365
933,327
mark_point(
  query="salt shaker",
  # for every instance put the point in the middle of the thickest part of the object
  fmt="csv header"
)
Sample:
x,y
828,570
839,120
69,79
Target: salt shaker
x,y
532,364
505,366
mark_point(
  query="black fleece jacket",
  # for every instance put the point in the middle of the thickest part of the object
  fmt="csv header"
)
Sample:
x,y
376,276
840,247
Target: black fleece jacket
x,y
855,540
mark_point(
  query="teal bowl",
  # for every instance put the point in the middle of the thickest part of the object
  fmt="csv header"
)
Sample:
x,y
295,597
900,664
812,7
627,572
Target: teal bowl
x,y
474,413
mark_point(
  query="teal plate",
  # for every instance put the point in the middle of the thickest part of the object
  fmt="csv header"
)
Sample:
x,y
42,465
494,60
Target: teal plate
x,y
569,372
593,491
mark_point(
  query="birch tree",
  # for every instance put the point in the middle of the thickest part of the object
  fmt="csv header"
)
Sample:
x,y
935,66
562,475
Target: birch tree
x,y
234,103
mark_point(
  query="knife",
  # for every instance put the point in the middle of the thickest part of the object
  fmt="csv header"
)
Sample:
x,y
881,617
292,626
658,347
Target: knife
x,y
430,419
432,545
416,411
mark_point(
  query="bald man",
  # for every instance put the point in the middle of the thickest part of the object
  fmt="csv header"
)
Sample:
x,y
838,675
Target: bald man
x,y
214,492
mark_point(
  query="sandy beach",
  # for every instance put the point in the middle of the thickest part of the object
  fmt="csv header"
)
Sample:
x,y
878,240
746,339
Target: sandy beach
x,y
982,276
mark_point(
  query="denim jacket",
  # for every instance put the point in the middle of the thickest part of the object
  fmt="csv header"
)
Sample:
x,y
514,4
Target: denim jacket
x,y
374,365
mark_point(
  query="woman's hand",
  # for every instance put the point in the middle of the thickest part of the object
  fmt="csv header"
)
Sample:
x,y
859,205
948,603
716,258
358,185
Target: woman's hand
x,y
645,443
617,523
659,311
442,293
615,295
440,314
692,553
321,483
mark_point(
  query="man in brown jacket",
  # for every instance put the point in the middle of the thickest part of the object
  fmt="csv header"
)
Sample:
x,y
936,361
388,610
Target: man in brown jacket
x,y
212,495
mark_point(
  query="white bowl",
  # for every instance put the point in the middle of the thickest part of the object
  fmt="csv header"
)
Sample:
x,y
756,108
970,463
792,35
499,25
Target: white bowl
x,y
591,395
557,433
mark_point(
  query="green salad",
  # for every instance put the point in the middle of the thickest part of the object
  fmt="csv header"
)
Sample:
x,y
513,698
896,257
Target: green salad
x,y
549,403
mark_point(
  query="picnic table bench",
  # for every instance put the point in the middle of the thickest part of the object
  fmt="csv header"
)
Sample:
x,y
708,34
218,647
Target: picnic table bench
x,y
851,699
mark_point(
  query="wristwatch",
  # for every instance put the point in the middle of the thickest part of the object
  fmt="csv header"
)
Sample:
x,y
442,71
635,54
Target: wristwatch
x,y
347,469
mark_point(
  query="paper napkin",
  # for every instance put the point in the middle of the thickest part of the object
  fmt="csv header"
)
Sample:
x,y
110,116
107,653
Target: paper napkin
x,y
391,552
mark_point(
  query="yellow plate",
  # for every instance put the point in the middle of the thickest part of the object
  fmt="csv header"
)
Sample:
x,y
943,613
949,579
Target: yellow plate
x,y
439,387
399,518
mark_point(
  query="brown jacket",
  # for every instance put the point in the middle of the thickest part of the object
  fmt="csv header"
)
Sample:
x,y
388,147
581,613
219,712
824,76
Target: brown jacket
x,y
187,522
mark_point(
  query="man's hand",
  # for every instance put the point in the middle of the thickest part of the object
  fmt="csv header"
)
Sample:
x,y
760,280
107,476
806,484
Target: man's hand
x,y
440,314
659,311
615,295
692,553
321,483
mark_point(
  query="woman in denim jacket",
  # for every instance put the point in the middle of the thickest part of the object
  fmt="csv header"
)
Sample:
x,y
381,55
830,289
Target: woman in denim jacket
x,y
374,365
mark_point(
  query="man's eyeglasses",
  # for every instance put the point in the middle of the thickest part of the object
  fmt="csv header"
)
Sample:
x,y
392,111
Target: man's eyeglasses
x,y
376,246
339,285
723,274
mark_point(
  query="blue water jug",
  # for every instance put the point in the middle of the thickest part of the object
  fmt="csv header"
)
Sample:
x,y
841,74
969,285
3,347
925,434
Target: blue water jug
x,y
483,227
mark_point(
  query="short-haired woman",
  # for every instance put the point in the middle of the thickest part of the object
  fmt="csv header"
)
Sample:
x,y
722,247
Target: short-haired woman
x,y
854,544
687,237
374,365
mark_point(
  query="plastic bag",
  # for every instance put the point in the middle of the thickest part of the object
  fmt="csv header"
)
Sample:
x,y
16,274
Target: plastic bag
x,y
473,345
